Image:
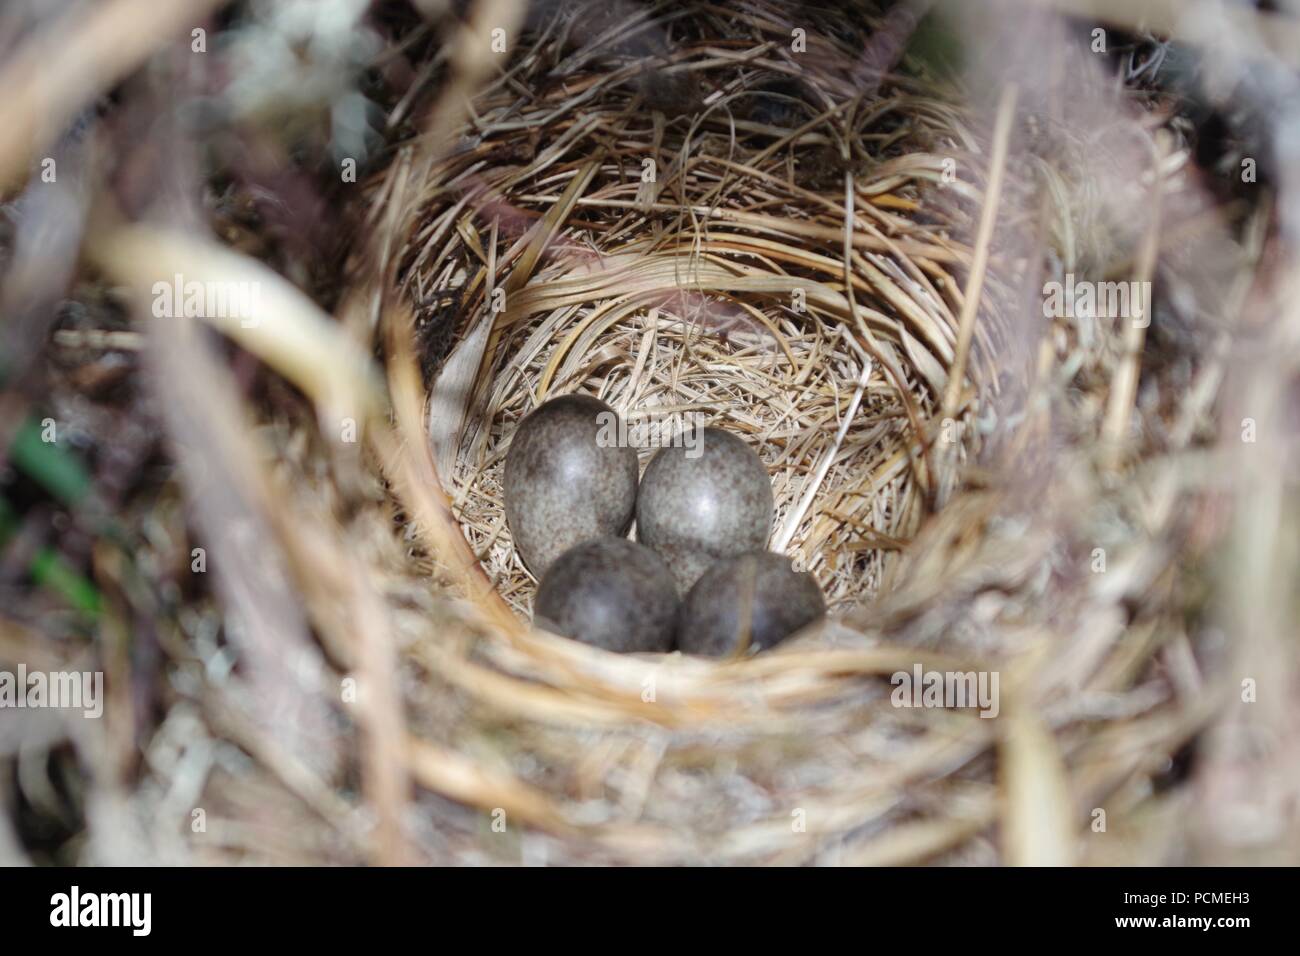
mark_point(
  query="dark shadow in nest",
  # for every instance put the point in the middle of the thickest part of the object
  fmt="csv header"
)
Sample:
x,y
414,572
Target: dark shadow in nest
x,y
436,323
781,101
673,93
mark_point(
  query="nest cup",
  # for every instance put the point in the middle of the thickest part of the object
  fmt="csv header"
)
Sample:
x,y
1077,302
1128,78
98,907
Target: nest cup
x,y
664,227
689,270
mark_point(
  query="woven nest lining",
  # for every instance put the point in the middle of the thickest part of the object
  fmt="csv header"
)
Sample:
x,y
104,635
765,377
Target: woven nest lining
x,y
714,294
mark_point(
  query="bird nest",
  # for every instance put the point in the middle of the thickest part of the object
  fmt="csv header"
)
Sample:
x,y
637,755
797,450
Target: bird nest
x,y
769,262
722,230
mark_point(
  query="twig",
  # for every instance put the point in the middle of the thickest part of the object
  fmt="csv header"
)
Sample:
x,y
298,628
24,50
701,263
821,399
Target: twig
x,y
983,239
1123,389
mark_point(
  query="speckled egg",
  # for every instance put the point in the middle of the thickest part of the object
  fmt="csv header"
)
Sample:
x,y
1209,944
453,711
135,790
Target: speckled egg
x,y
707,500
753,601
611,593
567,480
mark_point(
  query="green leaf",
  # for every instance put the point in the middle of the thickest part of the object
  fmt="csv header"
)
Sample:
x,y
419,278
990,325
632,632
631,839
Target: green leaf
x,y
936,48
58,471
49,570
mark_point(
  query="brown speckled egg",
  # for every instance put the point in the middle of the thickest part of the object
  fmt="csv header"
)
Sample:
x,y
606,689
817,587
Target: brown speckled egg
x,y
753,601
612,593
700,504
566,480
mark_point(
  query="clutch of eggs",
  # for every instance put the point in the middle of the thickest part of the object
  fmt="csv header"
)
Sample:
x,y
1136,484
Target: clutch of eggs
x,y
703,511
